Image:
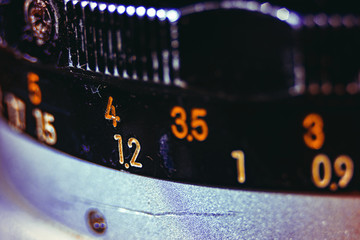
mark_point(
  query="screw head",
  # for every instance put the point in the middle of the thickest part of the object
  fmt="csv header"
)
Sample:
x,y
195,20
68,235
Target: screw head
x,y
96,221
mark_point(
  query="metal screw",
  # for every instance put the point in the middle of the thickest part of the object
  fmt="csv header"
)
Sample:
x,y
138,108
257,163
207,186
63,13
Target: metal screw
x,y
96,221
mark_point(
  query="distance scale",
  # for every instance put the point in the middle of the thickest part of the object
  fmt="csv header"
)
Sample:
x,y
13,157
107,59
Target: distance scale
x,y
179,93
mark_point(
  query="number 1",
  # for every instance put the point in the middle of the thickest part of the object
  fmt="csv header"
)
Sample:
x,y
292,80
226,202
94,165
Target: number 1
x,y
240,157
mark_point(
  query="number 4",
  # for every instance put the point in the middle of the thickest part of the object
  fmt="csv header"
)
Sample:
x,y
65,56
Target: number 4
x,y
111,116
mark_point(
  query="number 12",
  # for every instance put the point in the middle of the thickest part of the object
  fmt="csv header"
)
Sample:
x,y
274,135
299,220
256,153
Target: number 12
x,y
131,141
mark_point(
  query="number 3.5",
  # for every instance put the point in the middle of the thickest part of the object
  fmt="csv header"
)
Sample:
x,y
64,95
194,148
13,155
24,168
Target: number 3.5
x,y
181,130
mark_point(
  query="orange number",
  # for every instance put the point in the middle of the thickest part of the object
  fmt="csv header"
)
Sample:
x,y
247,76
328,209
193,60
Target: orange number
x,y
111,116
199,123
314,138
34,89
180,120
199,127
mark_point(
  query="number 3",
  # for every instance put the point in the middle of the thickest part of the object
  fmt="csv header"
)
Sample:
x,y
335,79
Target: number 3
x,y
179,121
314,138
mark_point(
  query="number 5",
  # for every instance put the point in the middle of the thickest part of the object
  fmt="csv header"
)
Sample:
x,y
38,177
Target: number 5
x,y
199,123
34,89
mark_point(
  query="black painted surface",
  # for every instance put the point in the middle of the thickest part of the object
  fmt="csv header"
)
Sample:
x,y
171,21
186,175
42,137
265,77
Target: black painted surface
x,y
270,133
240,73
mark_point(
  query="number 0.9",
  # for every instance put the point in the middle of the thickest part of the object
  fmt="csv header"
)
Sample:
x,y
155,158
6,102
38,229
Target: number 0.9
x,y
343,167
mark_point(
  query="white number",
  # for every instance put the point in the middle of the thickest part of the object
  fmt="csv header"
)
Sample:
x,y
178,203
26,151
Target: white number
x,y
16,112
44,129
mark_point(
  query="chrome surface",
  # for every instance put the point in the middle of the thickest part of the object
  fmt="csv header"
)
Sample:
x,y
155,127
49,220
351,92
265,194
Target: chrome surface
x,y
63,188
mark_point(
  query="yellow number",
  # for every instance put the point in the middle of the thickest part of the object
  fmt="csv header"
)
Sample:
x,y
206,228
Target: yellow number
x,y
321,182
344,168
34,89
196,122
133,162
314,138
111,116
131,141
44,129
121,154
240,163
16,112
180,120
199,127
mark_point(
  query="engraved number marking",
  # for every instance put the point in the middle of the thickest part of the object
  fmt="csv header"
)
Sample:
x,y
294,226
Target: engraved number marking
x,y
120,147
343,167
134,157
199,127
45,131
240,163
197,123
180,120
321,182
16,111
34,89
314,138
111,116
133,162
